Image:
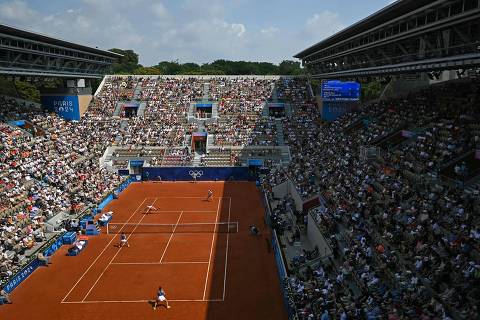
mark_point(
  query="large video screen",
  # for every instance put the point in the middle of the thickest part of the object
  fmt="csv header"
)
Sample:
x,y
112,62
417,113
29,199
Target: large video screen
x,y
335,90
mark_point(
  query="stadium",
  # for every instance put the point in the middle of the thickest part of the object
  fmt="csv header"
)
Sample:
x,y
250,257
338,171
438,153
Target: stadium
x,y
347,189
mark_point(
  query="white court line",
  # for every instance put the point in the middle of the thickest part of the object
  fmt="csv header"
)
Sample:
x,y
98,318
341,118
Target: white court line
x,y
171,236
226,252
199,211
118,251
211,251
167,197
158,263
98,257
141,301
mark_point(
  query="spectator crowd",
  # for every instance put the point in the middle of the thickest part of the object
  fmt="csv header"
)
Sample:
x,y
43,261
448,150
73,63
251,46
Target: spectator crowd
x,y
404,236
402,225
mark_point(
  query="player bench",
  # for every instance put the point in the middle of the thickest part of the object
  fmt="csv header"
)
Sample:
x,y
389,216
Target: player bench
x,y
78,246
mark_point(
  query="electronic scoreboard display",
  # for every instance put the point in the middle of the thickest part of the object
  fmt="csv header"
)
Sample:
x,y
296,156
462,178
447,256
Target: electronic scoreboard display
x,y
335,90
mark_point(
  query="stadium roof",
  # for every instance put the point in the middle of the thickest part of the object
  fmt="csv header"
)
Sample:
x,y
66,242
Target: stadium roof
x,y
394,10
25,34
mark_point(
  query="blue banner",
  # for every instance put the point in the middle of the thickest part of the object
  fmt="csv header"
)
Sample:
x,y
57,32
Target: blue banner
x,y
104,203
136,163
21,276
198,173
18,123
282,274
131,105
124,185
255,162
203,105
65,106
32,266
53,247
123,172
109,198
276,105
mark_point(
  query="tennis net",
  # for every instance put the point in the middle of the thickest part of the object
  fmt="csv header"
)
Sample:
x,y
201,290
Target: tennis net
x,y
129,228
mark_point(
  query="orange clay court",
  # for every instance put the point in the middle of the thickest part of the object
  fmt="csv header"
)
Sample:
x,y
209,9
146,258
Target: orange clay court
x,y
205,274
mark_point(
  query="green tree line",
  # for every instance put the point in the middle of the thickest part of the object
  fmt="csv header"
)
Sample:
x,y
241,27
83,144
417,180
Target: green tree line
x,y
128,64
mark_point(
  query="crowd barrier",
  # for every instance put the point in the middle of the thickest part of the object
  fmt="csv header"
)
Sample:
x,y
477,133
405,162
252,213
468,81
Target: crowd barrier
x,y
282,270
268,210
104,202
20,276
109,198
198,174
48,249
282,274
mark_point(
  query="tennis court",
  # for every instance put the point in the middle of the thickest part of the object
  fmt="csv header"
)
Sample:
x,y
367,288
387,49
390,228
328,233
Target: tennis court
x,y
199,251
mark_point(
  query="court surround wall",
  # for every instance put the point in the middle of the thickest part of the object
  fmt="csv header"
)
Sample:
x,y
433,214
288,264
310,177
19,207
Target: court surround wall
x,y
202,173
49,249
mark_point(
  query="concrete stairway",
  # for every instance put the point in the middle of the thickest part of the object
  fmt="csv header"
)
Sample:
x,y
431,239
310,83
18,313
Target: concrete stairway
x,y
187,142
285,156
141,109
215,110
123,125
288,110
280,139
274,95
206,91
265,112
210,140
137,94
191,110
197,159
118,109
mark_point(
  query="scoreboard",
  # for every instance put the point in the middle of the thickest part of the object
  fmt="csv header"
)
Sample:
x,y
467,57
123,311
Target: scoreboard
x,y
335,90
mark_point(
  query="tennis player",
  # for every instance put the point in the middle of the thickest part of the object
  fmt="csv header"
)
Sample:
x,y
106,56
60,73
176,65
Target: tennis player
x,y
124,240
209,195
150,208
161,298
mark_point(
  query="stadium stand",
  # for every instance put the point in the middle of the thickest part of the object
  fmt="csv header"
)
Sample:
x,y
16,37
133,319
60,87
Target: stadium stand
x,y
401,226
45,175
401,236
375,215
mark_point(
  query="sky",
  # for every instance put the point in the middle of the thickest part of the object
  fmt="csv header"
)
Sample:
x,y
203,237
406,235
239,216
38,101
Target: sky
x,y
197,31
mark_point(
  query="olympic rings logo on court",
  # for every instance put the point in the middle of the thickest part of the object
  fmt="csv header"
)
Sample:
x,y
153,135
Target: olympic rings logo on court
x,y
195,173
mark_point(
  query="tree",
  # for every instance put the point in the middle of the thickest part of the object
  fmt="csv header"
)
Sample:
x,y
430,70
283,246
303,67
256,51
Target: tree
x,y
169,67
27,91
190,68
125,64
147,71
290,67
128,64
371,90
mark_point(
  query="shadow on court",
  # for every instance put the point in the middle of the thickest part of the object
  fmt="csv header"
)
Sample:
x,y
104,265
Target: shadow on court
x,y
243,275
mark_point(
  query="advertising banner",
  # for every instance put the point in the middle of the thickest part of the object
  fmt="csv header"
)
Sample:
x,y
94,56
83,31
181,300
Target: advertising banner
x,y
196,173
65,106
21,276
54,247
